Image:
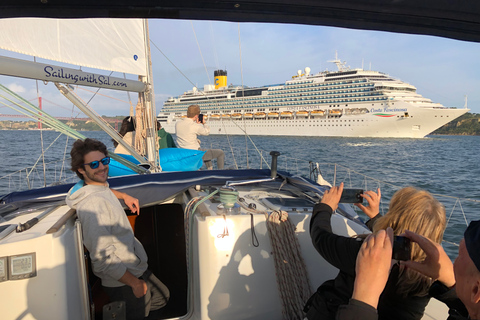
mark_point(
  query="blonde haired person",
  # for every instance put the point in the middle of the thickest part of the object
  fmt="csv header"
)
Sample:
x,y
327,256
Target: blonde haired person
x,y
417,211
406,293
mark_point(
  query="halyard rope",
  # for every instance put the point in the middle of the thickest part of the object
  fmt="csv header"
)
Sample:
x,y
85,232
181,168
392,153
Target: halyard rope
x,y
290,269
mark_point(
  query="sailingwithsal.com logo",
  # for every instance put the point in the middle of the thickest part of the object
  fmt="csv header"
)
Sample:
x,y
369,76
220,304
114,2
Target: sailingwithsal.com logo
x,y
90,78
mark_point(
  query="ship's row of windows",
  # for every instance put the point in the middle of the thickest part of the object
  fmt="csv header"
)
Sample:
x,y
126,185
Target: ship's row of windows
x,y
239,105
395,88
348,84
319,92
314,96
340,73
363,78
307,95
296,121
352,97
360,77
322,95
279,98
311,93
299,125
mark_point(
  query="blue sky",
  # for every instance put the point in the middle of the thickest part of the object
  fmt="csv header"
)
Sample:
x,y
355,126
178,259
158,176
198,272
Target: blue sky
x,y
443,70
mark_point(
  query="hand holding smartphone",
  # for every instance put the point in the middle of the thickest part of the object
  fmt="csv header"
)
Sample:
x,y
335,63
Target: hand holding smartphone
x,y
200,118
351,196
401,248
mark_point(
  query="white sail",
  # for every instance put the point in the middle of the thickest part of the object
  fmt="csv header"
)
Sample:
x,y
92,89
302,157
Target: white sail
x,y
108,44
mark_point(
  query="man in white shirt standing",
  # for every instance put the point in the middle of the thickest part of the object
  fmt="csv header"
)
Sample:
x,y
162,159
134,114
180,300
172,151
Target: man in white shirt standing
x,y
187,131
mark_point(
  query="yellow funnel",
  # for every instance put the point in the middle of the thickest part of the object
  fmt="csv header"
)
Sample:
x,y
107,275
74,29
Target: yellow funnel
x,y
220,78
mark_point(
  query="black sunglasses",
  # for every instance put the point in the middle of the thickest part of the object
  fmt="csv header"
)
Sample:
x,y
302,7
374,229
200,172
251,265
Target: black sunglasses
x,y
95,164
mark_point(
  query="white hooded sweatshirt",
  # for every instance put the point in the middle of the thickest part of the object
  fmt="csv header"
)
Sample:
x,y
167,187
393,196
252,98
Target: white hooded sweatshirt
x,y
107,234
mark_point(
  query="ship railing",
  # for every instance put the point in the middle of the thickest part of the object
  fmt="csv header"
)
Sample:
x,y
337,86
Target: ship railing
x,y
53,173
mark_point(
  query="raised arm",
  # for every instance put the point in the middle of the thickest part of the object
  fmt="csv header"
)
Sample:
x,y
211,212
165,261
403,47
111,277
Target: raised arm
x,y
339,251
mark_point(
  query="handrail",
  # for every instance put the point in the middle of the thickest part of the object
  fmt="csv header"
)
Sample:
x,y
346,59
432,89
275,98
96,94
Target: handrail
x,y
61,222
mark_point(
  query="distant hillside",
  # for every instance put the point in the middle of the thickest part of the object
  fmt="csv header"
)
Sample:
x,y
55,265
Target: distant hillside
x,y
75,124
468,124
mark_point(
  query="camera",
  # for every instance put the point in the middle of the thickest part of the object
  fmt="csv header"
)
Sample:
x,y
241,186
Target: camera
x,y
200,118
401,248
352,196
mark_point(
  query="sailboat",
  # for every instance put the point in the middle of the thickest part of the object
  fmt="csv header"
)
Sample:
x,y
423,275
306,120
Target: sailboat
x,y
211,236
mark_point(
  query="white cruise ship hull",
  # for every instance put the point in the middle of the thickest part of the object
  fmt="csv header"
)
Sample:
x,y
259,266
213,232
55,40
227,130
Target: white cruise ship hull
x,y
415,122
346,103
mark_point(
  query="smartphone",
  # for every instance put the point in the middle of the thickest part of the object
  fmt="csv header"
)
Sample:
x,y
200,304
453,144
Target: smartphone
x,y
401,248
352,196
200,118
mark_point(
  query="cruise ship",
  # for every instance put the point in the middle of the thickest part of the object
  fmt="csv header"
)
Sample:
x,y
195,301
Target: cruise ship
x,y
344,103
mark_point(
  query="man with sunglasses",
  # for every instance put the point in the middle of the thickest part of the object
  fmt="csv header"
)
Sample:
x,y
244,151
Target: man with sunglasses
x,y
118,258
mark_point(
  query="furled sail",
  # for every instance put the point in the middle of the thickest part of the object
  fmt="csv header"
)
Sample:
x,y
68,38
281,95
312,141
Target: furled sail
x,y
108,44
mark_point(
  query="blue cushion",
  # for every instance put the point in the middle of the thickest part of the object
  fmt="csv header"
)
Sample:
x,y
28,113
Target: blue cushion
x,y
171,159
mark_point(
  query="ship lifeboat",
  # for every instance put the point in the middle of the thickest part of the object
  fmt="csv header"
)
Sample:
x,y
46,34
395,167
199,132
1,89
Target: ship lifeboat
x,y
317,113
286,114
237,116
248,116
184,116
352,111
302,114
273,114
225,116
215,116
259,115
335,112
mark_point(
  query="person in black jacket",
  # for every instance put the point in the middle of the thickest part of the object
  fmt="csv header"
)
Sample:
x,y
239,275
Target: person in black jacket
x,y
372,270
406,293
457,285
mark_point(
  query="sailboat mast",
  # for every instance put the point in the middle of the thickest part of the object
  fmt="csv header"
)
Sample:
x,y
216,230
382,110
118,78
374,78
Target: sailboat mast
x,y
148,98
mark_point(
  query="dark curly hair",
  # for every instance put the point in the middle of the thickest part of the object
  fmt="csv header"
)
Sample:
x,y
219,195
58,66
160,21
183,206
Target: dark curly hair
x,y
80,149
128,125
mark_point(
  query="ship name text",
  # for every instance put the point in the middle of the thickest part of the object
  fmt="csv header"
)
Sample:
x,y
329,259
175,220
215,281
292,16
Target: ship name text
x,y
386,109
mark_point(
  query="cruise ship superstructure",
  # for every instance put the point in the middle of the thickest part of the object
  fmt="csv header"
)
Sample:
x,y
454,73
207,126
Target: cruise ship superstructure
x,y
344,103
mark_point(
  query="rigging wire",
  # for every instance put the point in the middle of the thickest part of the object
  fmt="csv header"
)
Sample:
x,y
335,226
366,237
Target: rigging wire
x,y
41,134
215,55
200,50
216,103
93,96
42,156
173,64
104,95
243,92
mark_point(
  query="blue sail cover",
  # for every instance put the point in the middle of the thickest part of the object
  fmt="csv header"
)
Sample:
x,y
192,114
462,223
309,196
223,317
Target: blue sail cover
x,y
171,159
148,188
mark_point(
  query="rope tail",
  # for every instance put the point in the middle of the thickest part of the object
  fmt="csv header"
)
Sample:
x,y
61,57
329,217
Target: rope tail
x,y
290,269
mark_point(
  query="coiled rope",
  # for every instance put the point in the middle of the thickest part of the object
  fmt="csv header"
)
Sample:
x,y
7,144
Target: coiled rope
x,y
290,269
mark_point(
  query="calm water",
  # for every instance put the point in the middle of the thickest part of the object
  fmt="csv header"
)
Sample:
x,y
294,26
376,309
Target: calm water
x,y
444,165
